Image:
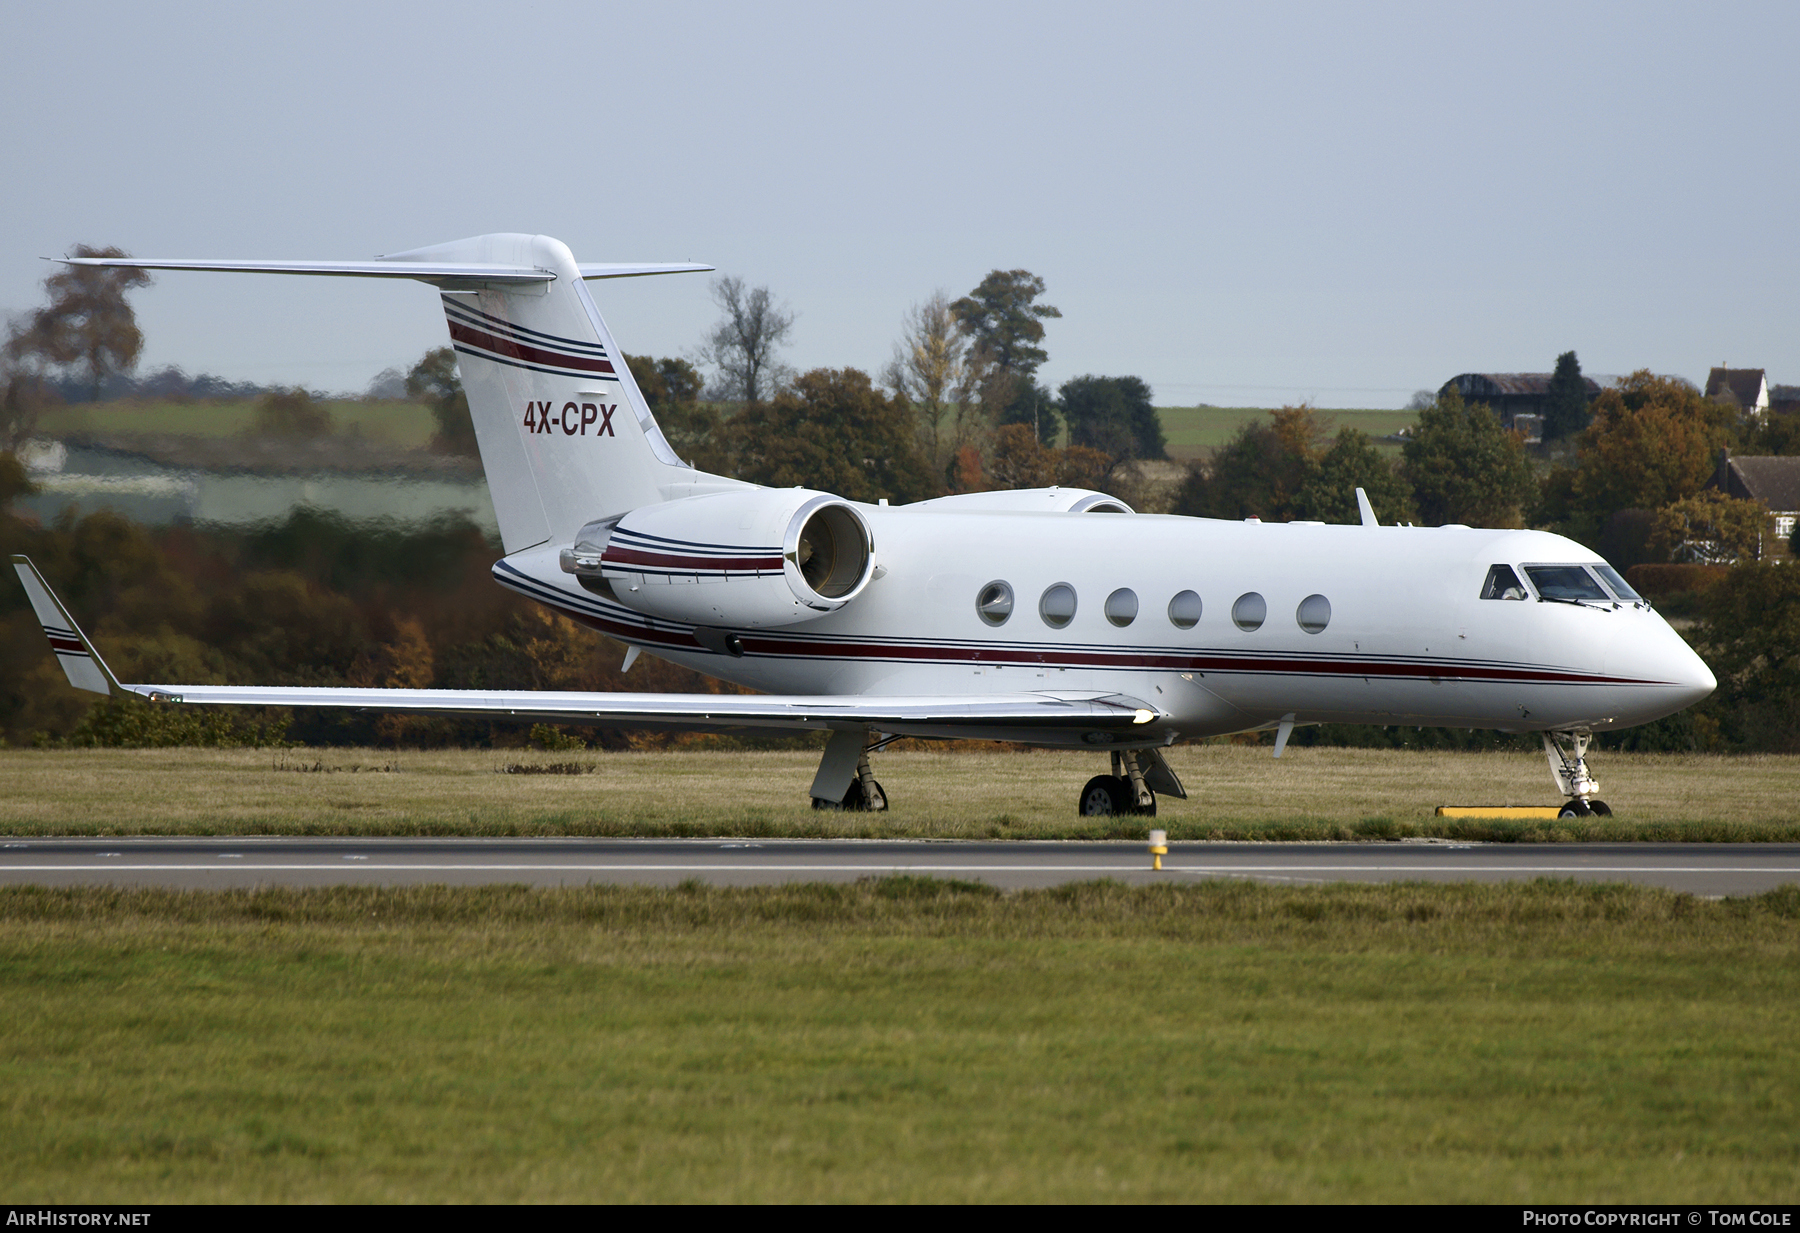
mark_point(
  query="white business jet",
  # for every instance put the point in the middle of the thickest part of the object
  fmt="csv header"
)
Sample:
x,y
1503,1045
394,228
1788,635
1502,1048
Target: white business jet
x,y
1052,617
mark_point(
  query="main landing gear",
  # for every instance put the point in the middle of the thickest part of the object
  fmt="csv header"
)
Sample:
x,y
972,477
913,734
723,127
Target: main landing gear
x,y
1567,753
847,753
1138,775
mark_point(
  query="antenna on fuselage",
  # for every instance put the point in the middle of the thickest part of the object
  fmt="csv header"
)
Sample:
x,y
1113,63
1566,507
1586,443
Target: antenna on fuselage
x,y
1367,510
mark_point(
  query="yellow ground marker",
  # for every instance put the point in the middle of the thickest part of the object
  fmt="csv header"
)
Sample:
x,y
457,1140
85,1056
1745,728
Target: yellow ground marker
x,y
1498,811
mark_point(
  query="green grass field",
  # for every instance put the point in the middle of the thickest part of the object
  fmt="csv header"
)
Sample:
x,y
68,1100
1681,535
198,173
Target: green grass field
x,y
409,425
901,1040
1235,791
1192,431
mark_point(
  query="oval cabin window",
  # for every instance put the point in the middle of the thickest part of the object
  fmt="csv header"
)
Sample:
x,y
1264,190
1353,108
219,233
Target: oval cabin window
x,y
1057,607
1184,610
1122,607
1250,611
1314,613
995,603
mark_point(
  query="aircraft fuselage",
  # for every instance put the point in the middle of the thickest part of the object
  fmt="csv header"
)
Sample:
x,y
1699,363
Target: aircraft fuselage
x,y
1405,636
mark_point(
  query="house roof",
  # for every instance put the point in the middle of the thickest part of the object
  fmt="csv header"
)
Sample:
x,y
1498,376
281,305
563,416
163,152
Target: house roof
x,y
1773,481
1747,386
1479,385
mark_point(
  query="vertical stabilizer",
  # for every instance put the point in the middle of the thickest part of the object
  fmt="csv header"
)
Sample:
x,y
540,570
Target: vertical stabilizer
x,y
566,437
564,433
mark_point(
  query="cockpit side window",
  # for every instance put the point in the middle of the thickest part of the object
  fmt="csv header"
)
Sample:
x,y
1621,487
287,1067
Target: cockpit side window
x,y
1567,582
1620,587
1502,583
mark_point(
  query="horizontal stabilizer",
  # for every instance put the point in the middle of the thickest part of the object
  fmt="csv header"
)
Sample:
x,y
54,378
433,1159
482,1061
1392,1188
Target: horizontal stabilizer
x,y
640,269
449,275
438,273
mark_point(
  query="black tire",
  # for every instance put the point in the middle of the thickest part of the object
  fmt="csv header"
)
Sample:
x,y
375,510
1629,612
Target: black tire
x,y
853,799
1103,796
1601,809
1576,808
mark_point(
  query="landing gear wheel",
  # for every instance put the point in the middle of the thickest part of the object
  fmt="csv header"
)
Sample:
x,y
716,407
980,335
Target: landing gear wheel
x,y
853,801
1103,796
1601,809
1577,808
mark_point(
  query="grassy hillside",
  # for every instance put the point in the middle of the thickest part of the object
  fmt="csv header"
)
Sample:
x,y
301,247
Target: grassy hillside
x,y
1192,431
405,424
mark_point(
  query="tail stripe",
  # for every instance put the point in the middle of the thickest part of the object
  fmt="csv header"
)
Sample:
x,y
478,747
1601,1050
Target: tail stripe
x,y
505,351
496,325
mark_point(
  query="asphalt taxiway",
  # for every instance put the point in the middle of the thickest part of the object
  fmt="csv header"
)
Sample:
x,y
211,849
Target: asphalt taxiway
x,y
214,863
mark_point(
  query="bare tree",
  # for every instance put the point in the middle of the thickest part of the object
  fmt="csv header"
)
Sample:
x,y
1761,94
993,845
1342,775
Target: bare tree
x,y
929,371
87,323
742,345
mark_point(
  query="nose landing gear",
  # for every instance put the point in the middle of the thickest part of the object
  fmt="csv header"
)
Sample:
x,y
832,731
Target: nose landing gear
x,y
1567,754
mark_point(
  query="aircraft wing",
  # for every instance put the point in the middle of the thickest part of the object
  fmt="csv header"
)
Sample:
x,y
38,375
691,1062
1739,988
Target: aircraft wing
x,y
999,715
702,712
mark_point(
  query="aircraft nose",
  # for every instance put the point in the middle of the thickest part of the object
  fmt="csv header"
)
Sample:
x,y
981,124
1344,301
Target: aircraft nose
x,y
1694,679
1653,652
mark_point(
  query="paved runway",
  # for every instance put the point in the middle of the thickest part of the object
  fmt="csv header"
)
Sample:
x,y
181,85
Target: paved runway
x,y
1704,869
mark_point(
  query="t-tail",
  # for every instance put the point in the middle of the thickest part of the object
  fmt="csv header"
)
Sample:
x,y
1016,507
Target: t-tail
x,y
566,437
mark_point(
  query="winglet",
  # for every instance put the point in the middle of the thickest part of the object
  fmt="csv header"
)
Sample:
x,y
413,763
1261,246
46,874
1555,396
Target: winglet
x,y
79,660
1367,510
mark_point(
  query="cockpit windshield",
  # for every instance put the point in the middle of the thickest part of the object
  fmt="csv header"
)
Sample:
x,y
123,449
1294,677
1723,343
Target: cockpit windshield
x,y
1502,583
1570,583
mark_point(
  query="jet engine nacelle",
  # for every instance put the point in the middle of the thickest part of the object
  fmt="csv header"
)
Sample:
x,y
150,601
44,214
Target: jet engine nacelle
x,y
750,559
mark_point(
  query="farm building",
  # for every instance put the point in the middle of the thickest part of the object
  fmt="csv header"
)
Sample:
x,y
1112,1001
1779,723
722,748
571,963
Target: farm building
x,y
1511,396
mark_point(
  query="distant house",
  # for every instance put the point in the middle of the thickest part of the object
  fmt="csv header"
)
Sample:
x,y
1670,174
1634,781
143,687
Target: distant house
x,y
1747,389
1784,399
1773,481
1518,398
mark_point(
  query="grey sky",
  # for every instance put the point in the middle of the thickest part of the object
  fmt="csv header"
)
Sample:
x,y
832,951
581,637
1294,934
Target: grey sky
x,y
1245,204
